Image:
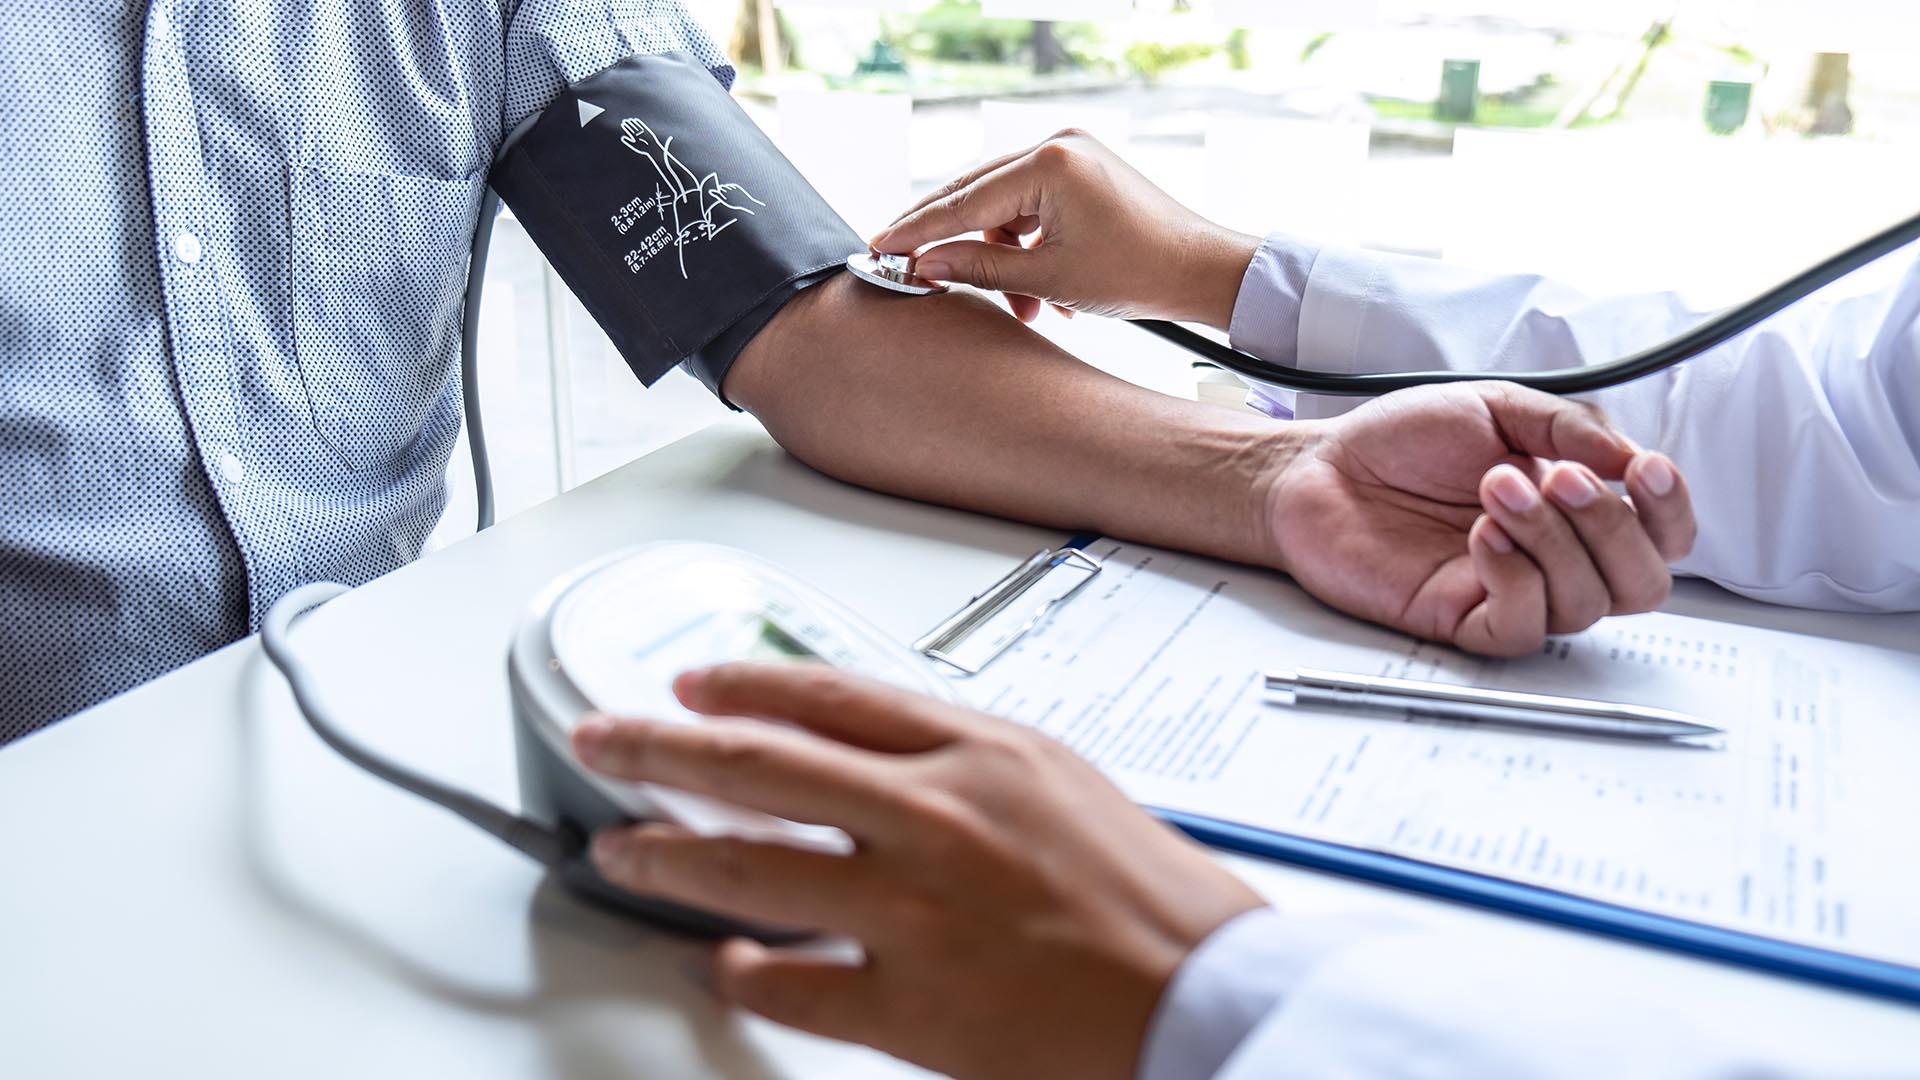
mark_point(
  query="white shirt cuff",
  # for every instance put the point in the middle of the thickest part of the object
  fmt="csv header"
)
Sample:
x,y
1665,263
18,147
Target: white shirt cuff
x,y
1228,985
1266,313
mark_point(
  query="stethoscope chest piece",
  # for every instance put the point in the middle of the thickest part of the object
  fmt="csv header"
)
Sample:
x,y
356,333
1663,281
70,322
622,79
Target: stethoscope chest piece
x,y
893,272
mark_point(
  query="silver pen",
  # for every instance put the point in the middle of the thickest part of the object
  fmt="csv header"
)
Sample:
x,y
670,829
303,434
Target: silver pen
x,y
1413,697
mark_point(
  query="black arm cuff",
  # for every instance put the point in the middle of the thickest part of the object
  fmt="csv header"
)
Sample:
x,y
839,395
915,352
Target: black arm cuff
x,y
673,218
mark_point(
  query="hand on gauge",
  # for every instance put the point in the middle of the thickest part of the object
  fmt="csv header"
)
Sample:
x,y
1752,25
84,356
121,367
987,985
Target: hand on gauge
x,y
1475,514
1069,223
1020,917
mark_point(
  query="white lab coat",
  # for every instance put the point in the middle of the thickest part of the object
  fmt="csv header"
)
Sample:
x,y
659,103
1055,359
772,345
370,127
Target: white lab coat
x,y
1800,439
1439,1006
1273,995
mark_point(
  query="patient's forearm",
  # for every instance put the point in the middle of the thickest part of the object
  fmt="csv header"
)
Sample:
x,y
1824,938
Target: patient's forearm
x,y
948,399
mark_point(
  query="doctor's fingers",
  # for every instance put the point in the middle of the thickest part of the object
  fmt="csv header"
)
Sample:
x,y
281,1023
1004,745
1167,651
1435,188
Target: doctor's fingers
x,y
793,987
1665,506
759,766
1068,138
951,186
1031,240
1013,269
1512,619
1010,197
1636,576
860,711
1577,595
757,881
1025,308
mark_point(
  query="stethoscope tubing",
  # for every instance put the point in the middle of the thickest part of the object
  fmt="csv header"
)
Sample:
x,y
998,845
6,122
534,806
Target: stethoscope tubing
x,y
1708,334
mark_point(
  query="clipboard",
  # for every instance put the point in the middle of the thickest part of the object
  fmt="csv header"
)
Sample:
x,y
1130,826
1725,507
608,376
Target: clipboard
x,y
990,623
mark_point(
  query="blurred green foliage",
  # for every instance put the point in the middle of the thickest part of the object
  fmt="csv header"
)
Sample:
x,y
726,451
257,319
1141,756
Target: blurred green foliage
x,y
1239,56
955,30
1494,111
1152,59
1082,43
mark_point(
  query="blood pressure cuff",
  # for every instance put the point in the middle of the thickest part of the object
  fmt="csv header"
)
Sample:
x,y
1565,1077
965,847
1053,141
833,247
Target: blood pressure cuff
x,y
668,213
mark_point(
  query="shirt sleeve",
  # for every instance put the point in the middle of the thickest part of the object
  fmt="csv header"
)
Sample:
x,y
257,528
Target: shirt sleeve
x,y
1810,419
1238,975
1266,314
552,44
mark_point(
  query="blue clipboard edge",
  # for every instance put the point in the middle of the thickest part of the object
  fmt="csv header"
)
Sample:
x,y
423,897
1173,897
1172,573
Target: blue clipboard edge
x,y
1862,974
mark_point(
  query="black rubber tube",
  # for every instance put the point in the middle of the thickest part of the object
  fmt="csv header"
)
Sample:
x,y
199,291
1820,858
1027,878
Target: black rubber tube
x,y
1709,333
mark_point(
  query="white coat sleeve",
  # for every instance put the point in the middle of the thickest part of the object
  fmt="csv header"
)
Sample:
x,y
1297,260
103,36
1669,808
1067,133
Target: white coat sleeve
x,y
1484,1006
1270,995
1800,438
1233,980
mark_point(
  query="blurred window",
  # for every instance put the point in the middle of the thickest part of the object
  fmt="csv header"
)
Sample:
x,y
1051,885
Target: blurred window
x,y
1619,145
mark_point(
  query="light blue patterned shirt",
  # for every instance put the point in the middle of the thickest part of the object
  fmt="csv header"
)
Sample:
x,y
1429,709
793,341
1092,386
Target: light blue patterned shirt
x,y
235,248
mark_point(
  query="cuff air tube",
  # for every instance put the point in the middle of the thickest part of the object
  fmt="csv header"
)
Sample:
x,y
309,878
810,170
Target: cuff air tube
x,y
668,213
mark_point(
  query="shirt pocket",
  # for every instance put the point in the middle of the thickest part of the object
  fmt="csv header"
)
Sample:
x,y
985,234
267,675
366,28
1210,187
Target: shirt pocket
x,y
377,281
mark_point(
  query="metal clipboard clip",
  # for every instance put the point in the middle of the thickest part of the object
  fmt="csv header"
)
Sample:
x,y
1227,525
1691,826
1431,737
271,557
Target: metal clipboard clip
x,y
989,624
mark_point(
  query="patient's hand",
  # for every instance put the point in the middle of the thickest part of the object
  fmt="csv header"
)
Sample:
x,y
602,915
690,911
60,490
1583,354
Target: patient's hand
x,y
1472,514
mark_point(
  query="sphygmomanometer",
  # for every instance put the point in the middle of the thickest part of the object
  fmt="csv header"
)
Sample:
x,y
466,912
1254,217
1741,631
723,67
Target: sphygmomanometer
x,y
682,230
609,637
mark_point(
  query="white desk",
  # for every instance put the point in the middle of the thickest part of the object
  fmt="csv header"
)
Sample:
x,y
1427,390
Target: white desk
x,y
195,886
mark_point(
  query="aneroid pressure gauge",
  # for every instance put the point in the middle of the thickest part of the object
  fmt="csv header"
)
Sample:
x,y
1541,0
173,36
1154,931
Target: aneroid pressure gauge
x,y
611,636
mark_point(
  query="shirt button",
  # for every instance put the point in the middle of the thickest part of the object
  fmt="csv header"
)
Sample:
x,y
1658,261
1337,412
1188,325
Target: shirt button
x,y
231,468
186,247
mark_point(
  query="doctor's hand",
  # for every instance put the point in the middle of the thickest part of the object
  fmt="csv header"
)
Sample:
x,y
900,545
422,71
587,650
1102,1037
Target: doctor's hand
x,y
1019,916
1474,514
1069,223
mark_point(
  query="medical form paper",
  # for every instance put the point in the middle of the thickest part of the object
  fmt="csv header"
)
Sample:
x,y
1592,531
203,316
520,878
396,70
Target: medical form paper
x,y
1803,827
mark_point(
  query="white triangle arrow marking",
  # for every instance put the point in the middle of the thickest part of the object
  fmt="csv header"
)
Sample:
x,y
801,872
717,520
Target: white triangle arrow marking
x,y
588,110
